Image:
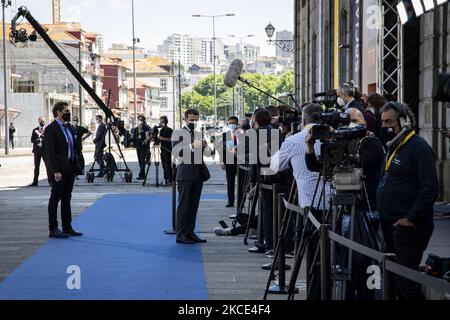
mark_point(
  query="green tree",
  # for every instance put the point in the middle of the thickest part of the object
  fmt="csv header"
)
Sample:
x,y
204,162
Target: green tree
x,y
205,87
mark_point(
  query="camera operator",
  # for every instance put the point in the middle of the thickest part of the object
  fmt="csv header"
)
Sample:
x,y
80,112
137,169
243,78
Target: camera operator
x,y
142,138
347,97
37,139
165,138
292,153
407,192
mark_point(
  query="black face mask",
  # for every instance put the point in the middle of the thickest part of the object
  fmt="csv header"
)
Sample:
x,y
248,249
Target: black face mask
x,y
191,126
387,134
66,117
246,127
42,124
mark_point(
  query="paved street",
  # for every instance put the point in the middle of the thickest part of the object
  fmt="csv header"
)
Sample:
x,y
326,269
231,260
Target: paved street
x,y
231,271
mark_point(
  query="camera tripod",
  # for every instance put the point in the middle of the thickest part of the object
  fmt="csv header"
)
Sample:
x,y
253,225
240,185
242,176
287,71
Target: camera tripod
x,y
111,165
345,196
155,157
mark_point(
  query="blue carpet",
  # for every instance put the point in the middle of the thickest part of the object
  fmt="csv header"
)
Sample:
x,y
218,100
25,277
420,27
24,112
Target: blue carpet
x,y
123,254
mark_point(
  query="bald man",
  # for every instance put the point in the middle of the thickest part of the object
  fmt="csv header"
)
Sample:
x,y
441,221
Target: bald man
x,y
356,116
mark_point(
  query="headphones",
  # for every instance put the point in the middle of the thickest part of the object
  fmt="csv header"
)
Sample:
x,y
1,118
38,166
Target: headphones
x,y
403,117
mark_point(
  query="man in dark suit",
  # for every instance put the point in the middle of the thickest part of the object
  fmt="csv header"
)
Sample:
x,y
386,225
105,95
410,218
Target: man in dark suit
x,y
100,144
229,158
37,139
165,138
63,165
189,145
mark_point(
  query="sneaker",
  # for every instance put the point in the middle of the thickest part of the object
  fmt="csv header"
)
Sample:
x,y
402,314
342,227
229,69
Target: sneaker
x,y
290,255
222,232
269,254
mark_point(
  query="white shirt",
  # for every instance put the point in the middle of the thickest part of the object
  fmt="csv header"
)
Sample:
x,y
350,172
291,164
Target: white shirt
x,y
293,151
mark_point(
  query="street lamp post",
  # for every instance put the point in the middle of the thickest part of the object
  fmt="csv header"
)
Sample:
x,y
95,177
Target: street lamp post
x,y
214,54
285,45
5,3
240,55
134,64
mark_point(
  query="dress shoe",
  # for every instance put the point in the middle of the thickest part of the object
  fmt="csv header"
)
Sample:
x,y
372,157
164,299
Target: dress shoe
x,y
58,234
184,240
140,178
196,239
100,175
72,233
34,184
230,205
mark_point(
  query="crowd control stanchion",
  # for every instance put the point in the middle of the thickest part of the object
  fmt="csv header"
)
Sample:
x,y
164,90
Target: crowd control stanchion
x,y
325,266
388,278
259,244
284,230
174,201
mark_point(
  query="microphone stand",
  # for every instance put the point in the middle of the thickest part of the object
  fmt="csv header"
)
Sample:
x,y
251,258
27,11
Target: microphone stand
x,y
258,89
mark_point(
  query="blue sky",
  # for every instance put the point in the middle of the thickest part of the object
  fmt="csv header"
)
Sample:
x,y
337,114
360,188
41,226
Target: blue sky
x,y
157,19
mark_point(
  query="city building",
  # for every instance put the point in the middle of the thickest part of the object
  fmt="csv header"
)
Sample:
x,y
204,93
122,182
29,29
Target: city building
x,y
244,52
125,52
116,82
36,74
191,50
149,100
339,41
177,47
160,73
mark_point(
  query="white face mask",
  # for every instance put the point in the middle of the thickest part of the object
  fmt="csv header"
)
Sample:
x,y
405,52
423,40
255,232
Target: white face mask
x,y
353,125
340,102
75,123
141,123
99,122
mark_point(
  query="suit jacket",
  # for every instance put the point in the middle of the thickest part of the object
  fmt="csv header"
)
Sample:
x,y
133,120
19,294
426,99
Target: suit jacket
x,y
99,139
57,151
355,104
190,172
35,142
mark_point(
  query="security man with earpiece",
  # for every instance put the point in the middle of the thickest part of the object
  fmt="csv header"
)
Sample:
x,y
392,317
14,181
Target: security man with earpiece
x,y
406,194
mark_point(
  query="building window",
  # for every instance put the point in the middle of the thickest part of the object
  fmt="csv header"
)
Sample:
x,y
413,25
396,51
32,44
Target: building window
x,y
163,84
164,104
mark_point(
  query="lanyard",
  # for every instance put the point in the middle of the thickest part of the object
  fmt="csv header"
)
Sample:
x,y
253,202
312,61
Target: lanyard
x,y
391,158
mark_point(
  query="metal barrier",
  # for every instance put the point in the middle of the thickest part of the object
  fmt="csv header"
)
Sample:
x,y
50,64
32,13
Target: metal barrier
x,y
389,267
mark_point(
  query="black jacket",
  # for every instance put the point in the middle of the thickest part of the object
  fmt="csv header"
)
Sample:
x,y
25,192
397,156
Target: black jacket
x,y
355,104
188,171
35,141
411,186
99,139
56,149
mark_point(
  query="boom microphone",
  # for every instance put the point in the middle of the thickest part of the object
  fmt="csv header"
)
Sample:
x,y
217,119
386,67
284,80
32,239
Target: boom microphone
x,y
233,73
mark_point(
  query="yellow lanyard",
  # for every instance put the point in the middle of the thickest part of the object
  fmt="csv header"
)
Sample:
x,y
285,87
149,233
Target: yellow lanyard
x,y
391,158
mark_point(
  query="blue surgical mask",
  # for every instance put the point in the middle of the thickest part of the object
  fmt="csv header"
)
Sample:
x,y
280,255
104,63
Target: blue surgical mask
x,y
232,126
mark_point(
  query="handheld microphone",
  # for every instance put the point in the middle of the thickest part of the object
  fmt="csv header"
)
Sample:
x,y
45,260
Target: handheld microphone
x,y
233,73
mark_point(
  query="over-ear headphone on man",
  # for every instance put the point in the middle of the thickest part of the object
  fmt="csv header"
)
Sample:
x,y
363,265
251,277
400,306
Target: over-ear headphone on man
x,y
405,119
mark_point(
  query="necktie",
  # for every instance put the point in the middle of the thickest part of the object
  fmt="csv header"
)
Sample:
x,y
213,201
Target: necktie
x,y
69,142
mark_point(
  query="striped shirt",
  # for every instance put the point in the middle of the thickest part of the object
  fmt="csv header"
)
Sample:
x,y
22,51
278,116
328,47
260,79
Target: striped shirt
x,y
293,151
